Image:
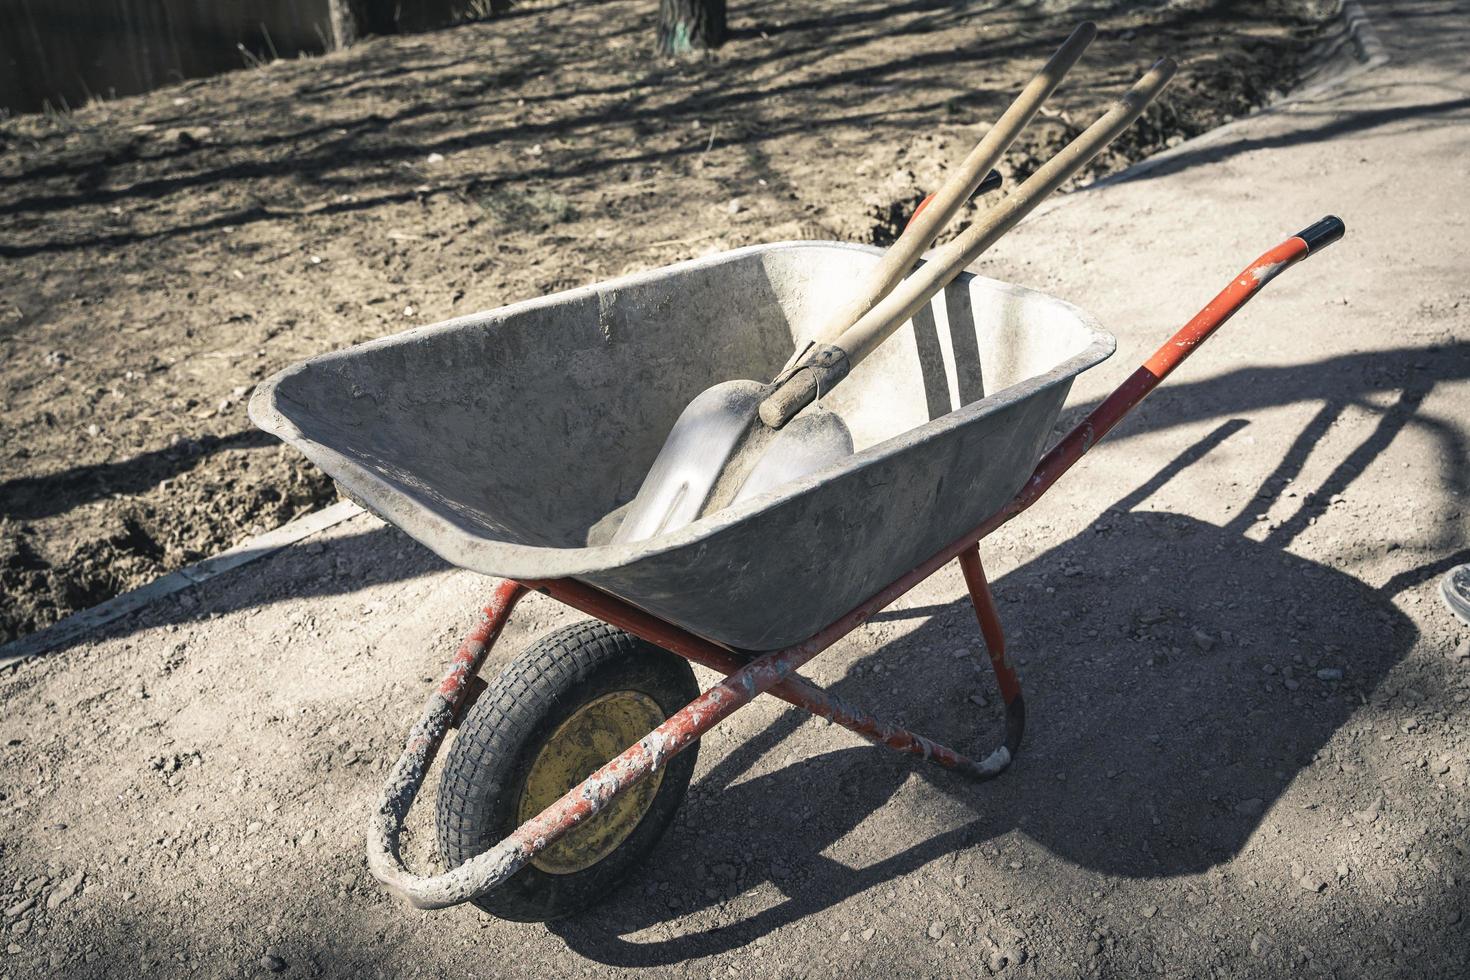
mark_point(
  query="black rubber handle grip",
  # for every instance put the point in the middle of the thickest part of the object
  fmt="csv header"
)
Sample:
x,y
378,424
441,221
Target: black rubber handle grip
x,y
1323,233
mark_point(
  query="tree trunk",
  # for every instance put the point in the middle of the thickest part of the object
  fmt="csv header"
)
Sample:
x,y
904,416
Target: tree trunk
x,y
353,20
690,25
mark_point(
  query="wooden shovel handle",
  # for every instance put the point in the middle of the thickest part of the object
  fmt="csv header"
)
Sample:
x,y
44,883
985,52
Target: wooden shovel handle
x,y
946,202
950,260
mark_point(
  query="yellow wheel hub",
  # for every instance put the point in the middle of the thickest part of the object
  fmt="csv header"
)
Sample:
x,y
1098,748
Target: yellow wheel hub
x,y
597,732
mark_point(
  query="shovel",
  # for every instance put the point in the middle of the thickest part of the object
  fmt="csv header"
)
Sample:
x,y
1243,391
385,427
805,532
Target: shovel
x,y
738,439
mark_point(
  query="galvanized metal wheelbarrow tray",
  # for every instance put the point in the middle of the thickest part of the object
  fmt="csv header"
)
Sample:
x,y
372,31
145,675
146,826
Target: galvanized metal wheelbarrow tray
x,y
507,441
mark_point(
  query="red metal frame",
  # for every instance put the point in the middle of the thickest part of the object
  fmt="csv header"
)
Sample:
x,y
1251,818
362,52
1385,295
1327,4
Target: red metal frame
x,y
748,677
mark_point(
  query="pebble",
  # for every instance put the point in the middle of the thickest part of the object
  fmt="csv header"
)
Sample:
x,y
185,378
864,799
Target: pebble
x,y
66,889
998,961
272,962
735,206
1329,674
1204,641
20,908
1311,884
21,928
936,930
869,933
1149,911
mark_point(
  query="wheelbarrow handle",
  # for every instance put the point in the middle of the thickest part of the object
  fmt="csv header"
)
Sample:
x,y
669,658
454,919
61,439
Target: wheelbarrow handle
x,y
1200,328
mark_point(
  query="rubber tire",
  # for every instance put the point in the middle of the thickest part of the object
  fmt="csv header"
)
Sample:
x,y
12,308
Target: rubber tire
x,y
501,734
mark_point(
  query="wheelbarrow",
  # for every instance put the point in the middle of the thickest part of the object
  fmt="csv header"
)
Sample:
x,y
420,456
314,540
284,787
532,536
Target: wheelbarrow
x,y
510,442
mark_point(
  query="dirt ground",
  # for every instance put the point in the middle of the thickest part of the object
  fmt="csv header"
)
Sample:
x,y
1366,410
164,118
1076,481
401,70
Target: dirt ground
x,y
162,254
1247,753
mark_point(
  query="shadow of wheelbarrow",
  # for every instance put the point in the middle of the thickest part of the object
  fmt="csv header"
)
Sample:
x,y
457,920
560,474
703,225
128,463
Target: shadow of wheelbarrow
x,y
1165,726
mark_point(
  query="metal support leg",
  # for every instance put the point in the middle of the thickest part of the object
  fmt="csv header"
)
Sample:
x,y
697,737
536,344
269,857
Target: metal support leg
x,y
995,645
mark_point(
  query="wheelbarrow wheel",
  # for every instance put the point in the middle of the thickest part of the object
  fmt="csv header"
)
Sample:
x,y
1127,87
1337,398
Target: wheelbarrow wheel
x,y
570,703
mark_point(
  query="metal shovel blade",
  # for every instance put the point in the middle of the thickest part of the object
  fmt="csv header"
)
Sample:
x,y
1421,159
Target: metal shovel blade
x,y
704,437
720,453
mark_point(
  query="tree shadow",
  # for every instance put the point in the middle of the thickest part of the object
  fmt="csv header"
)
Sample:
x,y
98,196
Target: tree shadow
x,y
795,78
30,498
1337,124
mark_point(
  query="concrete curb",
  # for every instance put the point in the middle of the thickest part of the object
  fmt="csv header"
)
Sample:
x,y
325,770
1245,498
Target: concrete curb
x,y
1351,50
119,606
1356,39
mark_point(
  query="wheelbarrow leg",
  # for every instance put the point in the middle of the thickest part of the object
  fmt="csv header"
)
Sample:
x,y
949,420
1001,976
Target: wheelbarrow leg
x,y
995,645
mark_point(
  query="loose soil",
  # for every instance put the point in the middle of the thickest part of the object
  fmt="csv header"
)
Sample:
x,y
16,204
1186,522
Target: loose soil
x,y
164,253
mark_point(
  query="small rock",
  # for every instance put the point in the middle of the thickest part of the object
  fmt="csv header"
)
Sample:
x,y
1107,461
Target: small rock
x,y
1152,616
434,158
409,310
21,928
961,653
272,962
1310,884
869,933
998,961
1329,674
735,206
979,699
936,930
1259,944
1204,641
1462,650
1342,870
66,889
1149,911
1094,948
20,908
1410,725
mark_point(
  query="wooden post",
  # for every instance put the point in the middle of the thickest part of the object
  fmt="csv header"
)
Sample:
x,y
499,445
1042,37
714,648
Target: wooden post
x,y
690,25
353,20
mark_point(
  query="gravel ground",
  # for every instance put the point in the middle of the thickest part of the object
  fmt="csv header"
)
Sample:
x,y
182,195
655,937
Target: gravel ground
x,y
1247,752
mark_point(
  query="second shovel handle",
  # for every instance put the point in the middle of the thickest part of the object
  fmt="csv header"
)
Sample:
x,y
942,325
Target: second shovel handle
x,y
926,225
949,261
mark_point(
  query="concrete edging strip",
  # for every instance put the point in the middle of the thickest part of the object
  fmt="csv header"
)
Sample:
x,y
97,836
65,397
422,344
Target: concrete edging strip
x,y
118,606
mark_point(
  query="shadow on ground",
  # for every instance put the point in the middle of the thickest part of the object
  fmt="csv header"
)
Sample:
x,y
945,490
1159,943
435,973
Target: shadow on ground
x,y
1146,756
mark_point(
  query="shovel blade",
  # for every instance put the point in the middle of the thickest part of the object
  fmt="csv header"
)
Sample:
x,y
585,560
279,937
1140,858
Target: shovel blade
x,y
683,477
804,445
